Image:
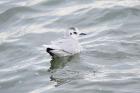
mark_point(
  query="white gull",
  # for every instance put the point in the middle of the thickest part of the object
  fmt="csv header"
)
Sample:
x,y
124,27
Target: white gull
x,y
67,46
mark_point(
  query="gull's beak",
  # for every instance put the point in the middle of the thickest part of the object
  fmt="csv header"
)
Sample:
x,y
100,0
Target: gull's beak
x,y
82,34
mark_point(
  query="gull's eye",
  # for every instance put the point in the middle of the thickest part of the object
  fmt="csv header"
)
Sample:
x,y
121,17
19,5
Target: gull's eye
x,y
70,33
75,32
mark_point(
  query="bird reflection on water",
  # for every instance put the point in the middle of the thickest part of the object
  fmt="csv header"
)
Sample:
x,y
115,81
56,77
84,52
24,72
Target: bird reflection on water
x,y
57,67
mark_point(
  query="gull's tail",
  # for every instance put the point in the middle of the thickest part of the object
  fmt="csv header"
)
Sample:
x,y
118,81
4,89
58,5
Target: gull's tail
x,y
49,51
54,50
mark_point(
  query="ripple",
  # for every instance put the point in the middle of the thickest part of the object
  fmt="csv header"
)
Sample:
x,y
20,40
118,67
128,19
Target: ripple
x,y
109,63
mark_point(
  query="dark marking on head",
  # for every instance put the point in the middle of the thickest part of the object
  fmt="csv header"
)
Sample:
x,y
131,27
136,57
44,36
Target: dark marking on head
x,y
75,32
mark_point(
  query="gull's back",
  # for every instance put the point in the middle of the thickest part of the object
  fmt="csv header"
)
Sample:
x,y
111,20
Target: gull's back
x,y
66,47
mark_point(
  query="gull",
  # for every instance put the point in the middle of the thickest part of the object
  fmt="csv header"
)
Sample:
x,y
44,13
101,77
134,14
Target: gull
x,y
67,46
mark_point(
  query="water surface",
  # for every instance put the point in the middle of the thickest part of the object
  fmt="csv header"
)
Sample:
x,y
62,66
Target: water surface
x,y
110,62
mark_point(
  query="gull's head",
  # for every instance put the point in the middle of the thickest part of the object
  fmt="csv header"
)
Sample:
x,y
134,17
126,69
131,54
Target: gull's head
x,y
73,32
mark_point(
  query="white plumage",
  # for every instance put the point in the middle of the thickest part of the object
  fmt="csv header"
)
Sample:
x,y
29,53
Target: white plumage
x,y
67,46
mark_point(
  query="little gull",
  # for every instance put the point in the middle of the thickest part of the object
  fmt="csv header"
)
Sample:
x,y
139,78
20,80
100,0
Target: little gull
x,y
67,46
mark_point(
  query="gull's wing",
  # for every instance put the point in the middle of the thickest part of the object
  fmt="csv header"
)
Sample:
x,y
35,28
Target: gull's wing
x,y
64,47
67,45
